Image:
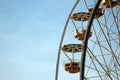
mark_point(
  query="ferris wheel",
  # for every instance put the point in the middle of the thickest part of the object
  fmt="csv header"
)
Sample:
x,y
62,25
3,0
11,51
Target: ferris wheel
x,y
90,42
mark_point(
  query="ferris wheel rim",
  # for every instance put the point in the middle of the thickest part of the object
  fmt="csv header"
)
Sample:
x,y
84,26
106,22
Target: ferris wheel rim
x,y
102,65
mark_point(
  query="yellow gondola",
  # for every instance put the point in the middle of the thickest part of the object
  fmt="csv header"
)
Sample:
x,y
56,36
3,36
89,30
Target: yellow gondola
x,y
72,67
81,16
118,3
73,48
109,3
99,12
85,16
81,36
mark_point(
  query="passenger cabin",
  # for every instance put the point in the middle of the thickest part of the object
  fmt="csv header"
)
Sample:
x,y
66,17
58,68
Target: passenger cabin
x,y
85,16
72,67
81,36
109,3
81,16
99,12
72,48
118,3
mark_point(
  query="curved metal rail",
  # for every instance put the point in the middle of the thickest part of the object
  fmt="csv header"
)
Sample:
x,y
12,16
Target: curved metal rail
x,y
59,51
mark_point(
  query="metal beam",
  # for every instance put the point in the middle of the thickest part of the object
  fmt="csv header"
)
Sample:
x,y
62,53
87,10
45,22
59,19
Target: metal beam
x,y
83,57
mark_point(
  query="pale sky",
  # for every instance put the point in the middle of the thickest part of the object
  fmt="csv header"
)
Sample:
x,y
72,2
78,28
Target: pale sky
x,y
30,32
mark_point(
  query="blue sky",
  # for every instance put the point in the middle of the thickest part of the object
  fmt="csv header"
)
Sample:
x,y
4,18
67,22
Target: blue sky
x,y
30,32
